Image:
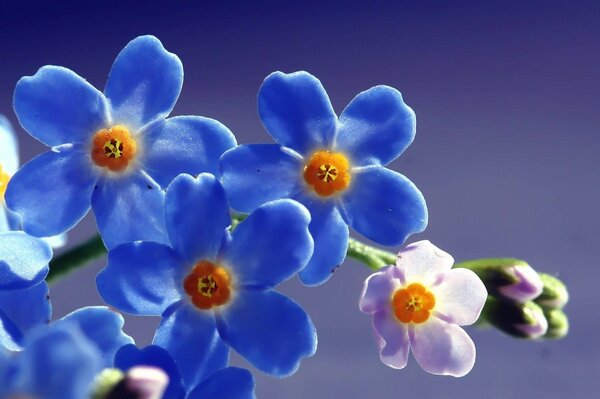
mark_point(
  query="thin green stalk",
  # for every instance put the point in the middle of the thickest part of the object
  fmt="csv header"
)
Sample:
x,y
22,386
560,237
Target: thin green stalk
x,y
75,258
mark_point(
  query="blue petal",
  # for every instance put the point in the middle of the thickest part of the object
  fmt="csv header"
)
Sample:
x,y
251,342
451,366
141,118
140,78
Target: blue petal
x,y
197,215
8,370
57,106
270,330
128,209
141,278
228,383
376,127
190,336
4,222
101,326
270,245
58,363
18,322
184,144
130,356
23,260
9,149
330,234
258,173
52,192
144,83
384,206
296,111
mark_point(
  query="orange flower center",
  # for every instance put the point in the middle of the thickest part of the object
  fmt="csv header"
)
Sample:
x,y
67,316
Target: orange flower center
x,y
4,178
413,304
113,148
208,285
327,172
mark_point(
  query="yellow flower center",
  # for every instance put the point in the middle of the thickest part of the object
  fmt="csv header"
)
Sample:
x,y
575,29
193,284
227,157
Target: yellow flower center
x,y
208,285
113,148
327,172
413,304
4,178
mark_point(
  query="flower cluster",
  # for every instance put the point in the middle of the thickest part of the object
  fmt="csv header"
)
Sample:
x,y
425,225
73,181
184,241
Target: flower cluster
x,y
161,189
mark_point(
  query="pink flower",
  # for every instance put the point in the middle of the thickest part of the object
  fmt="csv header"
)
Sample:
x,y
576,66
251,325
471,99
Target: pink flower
x,y
420,303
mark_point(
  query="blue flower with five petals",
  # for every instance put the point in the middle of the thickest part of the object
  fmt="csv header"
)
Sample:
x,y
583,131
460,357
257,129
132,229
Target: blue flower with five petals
x,y
60,361
224,382
114,150
214,288
335,167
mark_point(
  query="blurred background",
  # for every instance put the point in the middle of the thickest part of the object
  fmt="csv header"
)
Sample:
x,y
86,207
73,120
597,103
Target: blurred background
x,y
506,153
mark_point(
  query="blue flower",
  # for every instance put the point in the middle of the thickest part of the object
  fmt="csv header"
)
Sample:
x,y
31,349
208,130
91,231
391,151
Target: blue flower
x,y
114,150
9,164
335,167
224,382
60,361
214,288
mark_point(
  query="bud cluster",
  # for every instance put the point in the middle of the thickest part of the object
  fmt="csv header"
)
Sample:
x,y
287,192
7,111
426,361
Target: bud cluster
x,y
522,302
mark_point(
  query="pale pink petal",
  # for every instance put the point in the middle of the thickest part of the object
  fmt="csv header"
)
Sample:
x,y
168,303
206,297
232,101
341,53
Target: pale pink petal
x,y
378,289
423,262
442,348
528,286
460,296
392,339
539,325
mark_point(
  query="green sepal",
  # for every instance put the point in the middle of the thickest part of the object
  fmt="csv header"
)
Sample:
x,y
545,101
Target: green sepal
x,y
106,382
514,318
554,295
558,323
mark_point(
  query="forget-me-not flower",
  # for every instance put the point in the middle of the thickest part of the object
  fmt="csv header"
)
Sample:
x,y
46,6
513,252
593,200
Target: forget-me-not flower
x,y
419,304
222,382
114,150
212,287
335,167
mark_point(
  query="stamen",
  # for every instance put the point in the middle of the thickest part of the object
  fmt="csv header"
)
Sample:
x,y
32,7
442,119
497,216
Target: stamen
x,y
208,285
113,148
327,173
413,304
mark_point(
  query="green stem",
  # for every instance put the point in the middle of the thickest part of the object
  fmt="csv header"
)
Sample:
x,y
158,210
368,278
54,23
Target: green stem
x,y
374,258
75,258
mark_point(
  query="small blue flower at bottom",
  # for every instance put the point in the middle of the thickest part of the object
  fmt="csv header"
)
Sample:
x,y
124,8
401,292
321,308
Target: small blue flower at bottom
x,y
214,288
114,150
335,167
60,361
224,383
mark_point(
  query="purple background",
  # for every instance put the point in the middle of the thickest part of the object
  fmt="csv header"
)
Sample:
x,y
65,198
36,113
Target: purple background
x,y
506,154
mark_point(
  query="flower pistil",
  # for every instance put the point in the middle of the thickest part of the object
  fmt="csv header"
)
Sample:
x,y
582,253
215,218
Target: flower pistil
x,y
327,172
208,285
413,303
113,148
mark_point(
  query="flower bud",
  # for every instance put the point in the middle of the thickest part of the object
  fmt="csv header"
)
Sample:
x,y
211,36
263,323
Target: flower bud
x,y
507,278
521,320
558,324
528,284
554,294
141,382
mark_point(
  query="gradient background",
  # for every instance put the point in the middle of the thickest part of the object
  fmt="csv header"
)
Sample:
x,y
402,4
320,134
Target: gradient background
x,y
506,153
